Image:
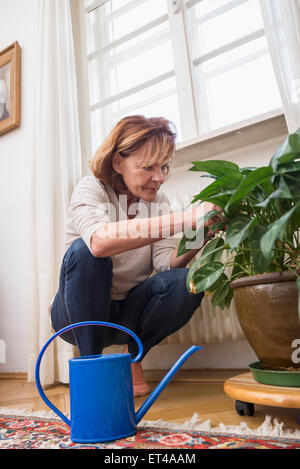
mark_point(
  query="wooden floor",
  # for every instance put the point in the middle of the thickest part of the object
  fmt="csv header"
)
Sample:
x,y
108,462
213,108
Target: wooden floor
x,y
189,391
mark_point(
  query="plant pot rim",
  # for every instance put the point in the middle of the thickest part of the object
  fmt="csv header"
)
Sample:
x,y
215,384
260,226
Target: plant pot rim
x,y
271,277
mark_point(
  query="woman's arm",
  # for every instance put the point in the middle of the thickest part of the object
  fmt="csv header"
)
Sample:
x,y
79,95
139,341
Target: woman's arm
x,y
116,237
183,260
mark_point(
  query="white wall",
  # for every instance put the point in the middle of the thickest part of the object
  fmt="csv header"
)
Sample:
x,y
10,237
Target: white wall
x,y
17,21
16,24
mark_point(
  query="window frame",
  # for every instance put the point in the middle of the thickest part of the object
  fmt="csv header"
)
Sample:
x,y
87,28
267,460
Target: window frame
x,y
183,69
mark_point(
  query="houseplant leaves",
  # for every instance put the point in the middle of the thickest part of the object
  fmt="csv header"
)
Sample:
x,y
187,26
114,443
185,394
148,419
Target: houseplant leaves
x,y
200,280
276,232
262,231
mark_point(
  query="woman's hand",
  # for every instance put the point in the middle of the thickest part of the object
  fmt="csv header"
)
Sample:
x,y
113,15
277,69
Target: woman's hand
x,y
196,213
208,207
205,207
193,215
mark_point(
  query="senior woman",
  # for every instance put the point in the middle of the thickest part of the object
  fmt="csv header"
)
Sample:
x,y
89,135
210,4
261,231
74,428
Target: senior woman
x,y
119,231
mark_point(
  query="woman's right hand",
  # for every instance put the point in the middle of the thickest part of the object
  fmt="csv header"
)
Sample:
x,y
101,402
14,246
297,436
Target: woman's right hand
x,y
198,212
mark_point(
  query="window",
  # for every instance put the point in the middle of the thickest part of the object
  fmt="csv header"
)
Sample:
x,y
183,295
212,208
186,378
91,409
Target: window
x,y
234,77
204,64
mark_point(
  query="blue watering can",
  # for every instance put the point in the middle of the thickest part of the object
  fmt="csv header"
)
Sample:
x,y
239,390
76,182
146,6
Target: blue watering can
x,y
101,391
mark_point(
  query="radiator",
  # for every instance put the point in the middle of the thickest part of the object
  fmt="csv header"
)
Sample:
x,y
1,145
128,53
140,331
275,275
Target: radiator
x,y
209,324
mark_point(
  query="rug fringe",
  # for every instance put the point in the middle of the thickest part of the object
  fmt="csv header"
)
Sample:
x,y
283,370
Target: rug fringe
x,y
266,429
27,413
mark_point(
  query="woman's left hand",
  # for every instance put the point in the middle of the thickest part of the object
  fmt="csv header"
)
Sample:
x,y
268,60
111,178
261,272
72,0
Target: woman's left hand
x,y
208,207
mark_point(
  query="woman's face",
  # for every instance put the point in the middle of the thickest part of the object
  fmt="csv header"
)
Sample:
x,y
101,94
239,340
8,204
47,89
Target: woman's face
x,y
141,180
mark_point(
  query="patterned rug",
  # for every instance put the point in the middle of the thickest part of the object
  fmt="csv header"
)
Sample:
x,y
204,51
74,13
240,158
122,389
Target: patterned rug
x,y
31,432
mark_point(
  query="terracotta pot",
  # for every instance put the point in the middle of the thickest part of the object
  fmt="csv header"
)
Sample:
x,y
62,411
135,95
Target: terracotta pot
x,y
267,308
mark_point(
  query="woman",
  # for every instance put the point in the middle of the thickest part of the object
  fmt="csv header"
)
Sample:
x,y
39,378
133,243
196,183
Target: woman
x,y
118,230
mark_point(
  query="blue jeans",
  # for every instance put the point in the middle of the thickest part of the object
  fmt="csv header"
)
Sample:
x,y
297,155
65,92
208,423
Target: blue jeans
x,y
154,309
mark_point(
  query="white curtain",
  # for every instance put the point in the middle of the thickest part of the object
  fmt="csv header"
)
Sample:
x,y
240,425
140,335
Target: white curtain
x,y
57,165
56,168
282,26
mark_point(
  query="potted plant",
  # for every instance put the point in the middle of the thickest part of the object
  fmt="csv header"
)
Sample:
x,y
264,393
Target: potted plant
x,y
255,256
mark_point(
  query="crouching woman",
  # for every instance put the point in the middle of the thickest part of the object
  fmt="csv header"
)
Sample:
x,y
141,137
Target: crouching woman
x,y
121,262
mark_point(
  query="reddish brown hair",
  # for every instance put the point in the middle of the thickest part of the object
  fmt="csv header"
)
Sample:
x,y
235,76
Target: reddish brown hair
x,y
155,134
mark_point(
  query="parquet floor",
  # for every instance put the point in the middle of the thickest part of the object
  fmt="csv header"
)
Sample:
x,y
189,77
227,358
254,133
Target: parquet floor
x,y
189,391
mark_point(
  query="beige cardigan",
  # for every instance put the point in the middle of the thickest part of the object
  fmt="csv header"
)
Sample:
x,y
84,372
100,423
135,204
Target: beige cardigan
x,y
93,204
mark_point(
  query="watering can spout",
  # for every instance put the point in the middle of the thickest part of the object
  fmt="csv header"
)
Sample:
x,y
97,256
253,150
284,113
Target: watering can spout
x,y
161,386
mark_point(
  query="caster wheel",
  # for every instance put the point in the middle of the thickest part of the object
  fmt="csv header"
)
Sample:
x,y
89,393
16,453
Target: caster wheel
x,y
244,408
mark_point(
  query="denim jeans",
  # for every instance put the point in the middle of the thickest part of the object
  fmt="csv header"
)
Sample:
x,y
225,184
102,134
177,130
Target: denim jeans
x,y
154,309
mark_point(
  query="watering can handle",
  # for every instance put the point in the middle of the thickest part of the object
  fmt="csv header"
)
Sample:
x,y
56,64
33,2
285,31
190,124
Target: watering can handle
x,y
67,328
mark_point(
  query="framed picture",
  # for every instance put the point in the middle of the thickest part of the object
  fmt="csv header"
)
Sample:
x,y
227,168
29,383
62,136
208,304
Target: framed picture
x,y
10,87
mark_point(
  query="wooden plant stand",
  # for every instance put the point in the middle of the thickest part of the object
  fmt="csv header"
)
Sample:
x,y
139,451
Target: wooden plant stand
x,y
247,392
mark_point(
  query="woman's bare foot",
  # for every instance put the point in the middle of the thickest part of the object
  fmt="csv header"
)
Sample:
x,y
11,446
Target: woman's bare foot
x,y
140,387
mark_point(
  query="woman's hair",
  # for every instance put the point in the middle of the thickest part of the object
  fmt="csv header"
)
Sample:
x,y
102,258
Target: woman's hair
x,y
156,134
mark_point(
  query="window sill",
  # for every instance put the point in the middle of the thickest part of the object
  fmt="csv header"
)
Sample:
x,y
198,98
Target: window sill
x,y
249,132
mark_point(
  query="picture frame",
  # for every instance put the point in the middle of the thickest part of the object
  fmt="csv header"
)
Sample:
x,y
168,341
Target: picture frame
x,y
10,87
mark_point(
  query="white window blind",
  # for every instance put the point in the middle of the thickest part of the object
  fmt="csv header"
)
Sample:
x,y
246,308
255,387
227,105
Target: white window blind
x,y
204,64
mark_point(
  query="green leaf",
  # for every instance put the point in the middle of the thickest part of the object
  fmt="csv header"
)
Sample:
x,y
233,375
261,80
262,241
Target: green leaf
x,y
219,226
190,236
239,229
217,284
209,176
260,262
213,250
215,167
220,294
248,169
289,167
275,232
267,187
294,223
220,200
228,298
199,280
249,182
237,267
221,186
298,288
288,151
193,235
292,180
282,192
